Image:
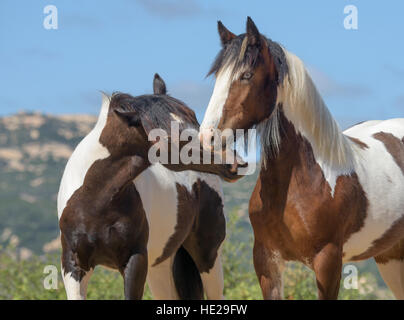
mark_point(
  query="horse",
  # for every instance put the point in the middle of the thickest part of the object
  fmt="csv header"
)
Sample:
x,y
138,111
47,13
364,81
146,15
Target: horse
x,y
118,210
323,197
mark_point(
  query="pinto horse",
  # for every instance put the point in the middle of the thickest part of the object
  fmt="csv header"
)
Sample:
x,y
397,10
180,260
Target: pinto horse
x,y
323,197
117,210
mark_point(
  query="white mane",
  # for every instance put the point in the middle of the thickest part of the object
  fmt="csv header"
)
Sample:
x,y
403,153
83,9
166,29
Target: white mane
x,y
102,117
304,107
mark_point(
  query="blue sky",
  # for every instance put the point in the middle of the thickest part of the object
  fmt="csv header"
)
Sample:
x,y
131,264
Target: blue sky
x,y
119,45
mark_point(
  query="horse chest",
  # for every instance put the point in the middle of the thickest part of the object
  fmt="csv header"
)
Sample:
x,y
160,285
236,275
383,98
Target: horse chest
x,y
297,219
107,234
270,226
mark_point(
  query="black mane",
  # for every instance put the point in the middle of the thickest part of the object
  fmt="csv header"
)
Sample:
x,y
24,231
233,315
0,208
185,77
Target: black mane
x,y
230,53
156,109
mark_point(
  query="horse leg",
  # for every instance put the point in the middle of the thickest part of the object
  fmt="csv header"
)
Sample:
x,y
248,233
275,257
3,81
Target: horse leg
x,y
161,282
327,265
186,275
392,273
76,282
213,280
134,275
75,277
268,266
391,268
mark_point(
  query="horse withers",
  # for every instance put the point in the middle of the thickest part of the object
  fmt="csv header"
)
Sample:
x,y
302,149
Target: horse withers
x,y
118,211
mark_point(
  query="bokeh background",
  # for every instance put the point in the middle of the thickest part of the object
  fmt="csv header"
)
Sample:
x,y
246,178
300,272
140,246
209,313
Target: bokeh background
x,y
49,98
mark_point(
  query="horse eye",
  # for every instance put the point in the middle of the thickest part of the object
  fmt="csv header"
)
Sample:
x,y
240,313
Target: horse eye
x,y
246,76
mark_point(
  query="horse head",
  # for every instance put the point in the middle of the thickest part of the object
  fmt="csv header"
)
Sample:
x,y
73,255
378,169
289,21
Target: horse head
x,y
133,122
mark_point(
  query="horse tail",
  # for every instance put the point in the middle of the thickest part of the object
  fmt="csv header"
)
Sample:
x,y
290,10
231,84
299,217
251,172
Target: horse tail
x,y
187,278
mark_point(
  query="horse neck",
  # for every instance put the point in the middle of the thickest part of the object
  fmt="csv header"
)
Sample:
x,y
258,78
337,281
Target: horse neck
x,y
90,149
304,107
105,179
297,154
100,169
291,168
288,153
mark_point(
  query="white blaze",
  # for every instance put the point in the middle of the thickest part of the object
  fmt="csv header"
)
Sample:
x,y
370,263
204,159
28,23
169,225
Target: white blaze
x,y
218,99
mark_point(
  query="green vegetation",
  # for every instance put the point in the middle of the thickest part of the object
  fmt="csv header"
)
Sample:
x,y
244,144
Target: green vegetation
x,y
23,279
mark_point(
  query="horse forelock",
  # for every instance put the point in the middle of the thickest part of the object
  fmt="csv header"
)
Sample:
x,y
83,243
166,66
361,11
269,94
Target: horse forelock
x,y
239,56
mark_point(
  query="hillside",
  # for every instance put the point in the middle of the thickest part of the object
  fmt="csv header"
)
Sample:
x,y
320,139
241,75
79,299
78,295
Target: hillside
x,y
34,149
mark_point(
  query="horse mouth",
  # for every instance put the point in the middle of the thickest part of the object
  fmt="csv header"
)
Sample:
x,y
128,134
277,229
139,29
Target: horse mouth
x,y
231,173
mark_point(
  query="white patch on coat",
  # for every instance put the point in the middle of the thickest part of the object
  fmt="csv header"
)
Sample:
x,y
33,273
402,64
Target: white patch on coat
x,y
158,191
277,264
382,181
86,153
76,290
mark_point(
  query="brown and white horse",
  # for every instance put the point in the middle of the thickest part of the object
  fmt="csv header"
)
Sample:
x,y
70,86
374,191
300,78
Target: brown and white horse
x,y
117,210
323,197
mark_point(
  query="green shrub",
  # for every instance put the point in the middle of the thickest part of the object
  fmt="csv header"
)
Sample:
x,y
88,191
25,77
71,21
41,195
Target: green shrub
x,y
23,279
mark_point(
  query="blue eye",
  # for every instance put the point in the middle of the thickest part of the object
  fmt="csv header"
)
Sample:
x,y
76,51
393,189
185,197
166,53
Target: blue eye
x,y
246,76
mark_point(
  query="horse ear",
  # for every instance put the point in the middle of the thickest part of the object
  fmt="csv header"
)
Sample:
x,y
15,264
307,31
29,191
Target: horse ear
x,y
131,118
225,35
254,37
159,86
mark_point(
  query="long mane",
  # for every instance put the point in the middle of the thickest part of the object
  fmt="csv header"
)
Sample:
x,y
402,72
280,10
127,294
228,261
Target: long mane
x,y
305,108
301,104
